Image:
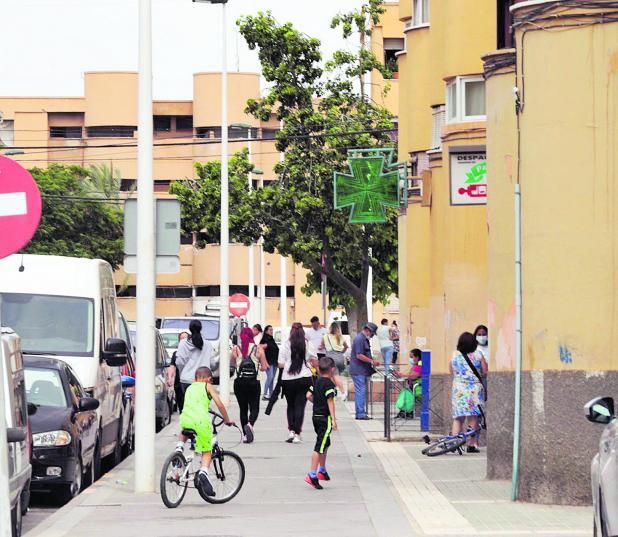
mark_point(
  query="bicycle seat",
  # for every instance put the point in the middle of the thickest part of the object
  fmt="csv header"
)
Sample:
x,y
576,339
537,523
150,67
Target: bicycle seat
x,y
189,433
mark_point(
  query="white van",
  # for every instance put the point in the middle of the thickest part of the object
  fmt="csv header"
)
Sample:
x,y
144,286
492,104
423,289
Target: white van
x,y
65,307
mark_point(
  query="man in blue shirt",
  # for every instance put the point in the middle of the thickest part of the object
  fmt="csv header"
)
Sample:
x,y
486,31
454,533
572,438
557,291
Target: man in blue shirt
x,y
361,367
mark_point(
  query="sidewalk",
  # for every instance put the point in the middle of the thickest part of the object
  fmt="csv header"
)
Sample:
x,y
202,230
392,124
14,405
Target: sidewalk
x,y
358,502
449,495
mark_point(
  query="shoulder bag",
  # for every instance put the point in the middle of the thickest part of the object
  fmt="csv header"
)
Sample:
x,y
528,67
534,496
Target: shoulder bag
x,y
337,356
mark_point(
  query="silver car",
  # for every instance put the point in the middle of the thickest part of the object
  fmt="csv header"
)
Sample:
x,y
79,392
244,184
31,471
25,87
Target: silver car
x,y
604,467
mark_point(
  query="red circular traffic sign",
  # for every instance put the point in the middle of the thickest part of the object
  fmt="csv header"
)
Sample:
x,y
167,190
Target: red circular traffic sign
x,y
20,207
239,304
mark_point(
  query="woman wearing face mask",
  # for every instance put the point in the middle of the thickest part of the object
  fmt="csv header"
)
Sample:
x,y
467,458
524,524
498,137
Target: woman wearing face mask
x,y
480,333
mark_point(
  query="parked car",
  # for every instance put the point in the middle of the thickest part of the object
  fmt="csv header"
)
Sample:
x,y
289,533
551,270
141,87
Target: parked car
x,y
170,339
165,397
65,308
128,390
604,467
64,428
16,422
210,332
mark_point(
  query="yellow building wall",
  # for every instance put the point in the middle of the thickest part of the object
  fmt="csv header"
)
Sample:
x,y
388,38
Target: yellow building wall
x,y
111,98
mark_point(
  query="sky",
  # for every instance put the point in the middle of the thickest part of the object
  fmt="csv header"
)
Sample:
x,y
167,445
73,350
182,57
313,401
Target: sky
x,y
48,44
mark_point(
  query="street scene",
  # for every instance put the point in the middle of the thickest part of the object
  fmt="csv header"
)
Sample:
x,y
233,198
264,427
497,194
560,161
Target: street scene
x,y
277,269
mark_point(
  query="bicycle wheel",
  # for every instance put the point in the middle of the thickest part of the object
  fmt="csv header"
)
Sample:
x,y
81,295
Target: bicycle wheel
x,y
173,480
227,476
444,445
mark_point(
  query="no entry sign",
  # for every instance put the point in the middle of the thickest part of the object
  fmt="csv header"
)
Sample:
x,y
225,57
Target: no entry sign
x,y
239,304
20,207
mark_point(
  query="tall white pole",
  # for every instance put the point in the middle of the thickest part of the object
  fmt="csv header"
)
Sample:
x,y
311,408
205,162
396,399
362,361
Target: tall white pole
x,y
283,305
370,292
262,283
5,505
224,328
251,317
146,279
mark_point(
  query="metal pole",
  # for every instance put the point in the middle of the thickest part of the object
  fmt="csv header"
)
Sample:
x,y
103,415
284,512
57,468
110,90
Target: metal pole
x,y
5,504
251,317
262,283
284,297
370,291
146,279
425,387
224,329
518,349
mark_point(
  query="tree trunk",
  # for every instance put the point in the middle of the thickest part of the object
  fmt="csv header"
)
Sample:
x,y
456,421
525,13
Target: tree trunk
x,y
357,317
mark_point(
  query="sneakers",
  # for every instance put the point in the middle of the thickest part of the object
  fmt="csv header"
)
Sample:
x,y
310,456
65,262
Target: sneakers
x,y
296,439
265,398
180,447
290,437
472,449
248,433
323,476
313,482
204,483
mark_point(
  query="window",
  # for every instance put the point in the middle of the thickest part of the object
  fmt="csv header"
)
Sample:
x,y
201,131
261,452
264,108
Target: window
x,y
208,132
184,123
465,99
128,185
438,114
111,131
269,134
420,11
174,292
505,20
65,132
162,123
44,387
7,132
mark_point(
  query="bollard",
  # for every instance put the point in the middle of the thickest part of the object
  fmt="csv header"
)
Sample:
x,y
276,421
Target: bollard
x,y
425,376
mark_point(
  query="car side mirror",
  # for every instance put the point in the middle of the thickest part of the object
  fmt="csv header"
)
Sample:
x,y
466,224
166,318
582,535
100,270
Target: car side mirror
x,y
127,381
32,408
116,352
15,434
600,410
88,403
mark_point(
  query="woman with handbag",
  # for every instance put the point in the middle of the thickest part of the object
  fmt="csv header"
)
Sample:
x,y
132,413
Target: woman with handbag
x,y
271,349
467,396
336,348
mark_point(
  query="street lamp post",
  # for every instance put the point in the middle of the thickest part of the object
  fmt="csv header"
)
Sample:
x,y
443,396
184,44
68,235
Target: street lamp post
x,y
224,326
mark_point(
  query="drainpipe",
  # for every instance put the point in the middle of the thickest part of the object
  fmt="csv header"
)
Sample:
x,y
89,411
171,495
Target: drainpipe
x,y
518,340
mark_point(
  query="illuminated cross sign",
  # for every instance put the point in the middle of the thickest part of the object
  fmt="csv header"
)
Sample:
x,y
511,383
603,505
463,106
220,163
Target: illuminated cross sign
x,y
370,188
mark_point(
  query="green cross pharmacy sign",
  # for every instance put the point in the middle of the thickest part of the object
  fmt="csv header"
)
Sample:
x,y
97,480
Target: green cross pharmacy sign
x,y
372,186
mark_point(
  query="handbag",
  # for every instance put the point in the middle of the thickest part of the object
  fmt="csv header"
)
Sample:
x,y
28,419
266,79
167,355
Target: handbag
x,y
337,356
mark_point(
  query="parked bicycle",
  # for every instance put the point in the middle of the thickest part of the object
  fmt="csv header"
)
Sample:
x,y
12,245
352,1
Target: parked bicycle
x,y
179,472
451,443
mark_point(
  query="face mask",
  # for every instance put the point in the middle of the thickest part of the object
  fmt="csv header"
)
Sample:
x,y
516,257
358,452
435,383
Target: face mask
x,y
482,340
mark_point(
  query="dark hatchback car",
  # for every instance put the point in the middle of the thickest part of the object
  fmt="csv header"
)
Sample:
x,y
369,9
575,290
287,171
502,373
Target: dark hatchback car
x,y
64,427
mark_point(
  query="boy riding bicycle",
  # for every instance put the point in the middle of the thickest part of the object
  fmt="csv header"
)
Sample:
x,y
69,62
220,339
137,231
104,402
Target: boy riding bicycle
x,y
195,415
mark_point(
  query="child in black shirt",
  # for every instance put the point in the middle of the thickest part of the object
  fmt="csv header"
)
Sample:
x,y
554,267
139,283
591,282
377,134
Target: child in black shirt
x,y
324,421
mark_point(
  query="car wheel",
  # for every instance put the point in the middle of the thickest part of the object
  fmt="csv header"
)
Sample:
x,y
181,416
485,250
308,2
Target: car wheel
x,y
68,492
128,446
25,499
16,519
117,454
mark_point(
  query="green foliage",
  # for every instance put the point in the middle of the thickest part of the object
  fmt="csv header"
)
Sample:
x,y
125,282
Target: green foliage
x,y
103,181
296,214
75,227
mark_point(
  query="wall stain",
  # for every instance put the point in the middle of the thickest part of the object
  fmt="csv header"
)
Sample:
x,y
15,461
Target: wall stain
x,y
566,356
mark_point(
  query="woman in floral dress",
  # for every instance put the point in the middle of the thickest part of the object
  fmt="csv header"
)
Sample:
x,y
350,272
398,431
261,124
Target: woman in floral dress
x,y
467,392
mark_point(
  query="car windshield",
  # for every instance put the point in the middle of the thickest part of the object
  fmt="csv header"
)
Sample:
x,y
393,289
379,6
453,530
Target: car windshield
x,y
44,387
170,340
50,324
210,327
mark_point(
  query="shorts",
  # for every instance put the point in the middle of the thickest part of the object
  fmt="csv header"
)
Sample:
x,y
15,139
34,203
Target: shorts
x,y
203,430
323,426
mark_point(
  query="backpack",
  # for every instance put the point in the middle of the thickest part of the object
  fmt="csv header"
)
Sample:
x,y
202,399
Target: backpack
x,y
405,400
247,368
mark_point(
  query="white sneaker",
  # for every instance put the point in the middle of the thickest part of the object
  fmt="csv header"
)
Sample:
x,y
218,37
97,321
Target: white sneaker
x,y
290,437
343,396
296,439
180,447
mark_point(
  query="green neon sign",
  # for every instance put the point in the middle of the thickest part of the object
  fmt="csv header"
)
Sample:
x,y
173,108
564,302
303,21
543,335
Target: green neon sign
x,y
373,185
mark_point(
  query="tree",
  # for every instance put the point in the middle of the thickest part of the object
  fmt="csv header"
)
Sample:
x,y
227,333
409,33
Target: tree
x,y
103,181
325,112
73,222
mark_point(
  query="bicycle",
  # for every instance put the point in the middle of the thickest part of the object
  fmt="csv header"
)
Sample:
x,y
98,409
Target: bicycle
x,y
451,443
180,473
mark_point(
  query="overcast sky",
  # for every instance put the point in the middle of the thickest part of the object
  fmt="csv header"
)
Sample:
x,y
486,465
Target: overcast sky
x,y
48,44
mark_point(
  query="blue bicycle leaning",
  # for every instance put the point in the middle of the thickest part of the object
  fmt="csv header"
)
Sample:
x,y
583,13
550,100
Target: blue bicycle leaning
x,y
451,443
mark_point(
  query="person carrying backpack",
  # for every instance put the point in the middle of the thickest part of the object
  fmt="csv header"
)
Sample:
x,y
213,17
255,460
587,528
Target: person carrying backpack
x,y
247,359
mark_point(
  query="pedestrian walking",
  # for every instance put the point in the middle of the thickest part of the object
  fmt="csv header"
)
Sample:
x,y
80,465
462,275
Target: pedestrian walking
x,y
386,344
271,349
322,394
173,376
257,333
362,367
336,347
296,358
248,357
395,336
315,335
467,394
192,354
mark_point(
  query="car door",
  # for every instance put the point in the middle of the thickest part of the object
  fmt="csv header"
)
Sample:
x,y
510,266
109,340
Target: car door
x,y
85,422
608,466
